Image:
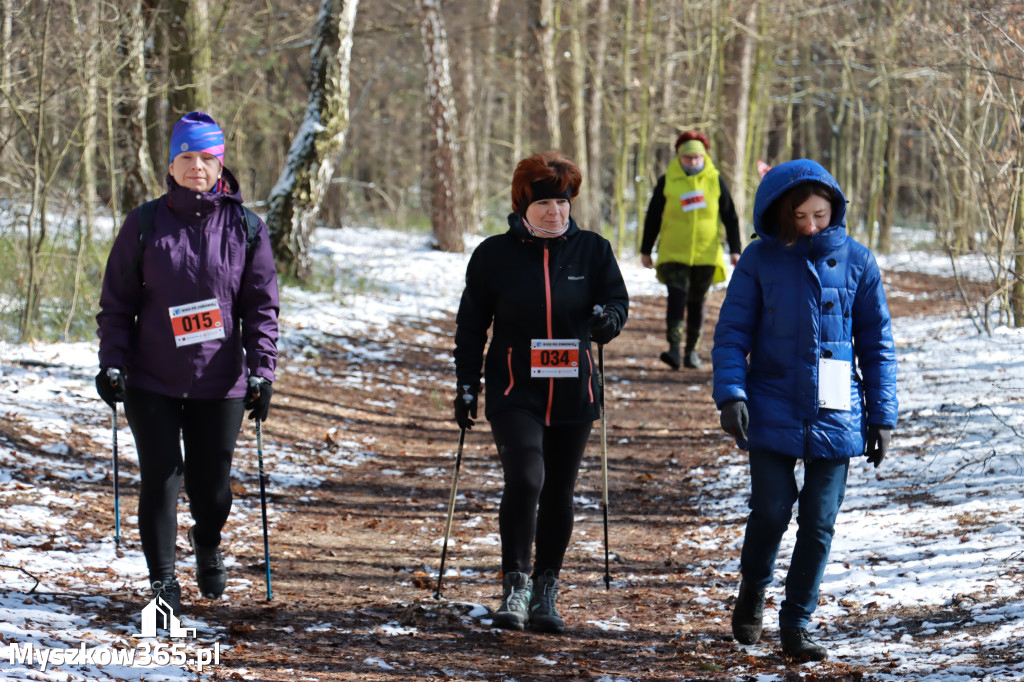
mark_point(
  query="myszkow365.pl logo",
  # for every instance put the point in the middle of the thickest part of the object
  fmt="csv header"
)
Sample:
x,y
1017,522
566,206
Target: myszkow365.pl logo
x,y
156,614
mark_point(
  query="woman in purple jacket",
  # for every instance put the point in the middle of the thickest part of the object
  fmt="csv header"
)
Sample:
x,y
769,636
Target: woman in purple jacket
x,y
188,341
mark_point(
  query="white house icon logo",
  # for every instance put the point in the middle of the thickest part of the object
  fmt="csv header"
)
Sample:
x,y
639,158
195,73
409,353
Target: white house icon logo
x,y
158,609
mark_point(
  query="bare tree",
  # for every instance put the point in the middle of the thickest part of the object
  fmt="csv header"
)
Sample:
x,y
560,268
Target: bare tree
x,y
543,23
139,177
189,56
295,200
583,206
446,219
595,155
743,109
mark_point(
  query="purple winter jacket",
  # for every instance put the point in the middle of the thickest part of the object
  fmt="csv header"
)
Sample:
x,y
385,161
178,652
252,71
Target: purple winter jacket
x,y
195,250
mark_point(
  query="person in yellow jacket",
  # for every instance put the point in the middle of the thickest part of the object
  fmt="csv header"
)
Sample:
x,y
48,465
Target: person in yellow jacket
x,y
682,218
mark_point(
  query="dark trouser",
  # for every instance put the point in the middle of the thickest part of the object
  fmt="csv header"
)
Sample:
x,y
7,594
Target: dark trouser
x,y
540,464
688,287
773,491
209,429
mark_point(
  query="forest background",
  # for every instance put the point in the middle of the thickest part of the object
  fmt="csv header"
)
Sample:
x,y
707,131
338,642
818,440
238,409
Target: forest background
x,y
413,113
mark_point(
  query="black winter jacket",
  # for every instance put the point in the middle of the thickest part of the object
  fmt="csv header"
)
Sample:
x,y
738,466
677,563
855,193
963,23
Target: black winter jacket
x,y
532,288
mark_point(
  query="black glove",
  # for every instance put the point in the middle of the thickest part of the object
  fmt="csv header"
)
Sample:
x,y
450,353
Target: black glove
x,y
878,443
465,408
257,399
735,419
604,326
110,385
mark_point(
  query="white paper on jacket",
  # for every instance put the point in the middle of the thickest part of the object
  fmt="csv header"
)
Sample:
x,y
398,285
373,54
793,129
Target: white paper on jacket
x,y
834,384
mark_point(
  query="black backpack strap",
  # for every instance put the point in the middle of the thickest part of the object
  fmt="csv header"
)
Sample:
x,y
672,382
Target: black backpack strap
x,y
147,212
252,228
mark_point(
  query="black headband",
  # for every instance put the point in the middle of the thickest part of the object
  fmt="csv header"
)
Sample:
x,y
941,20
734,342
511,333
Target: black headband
x,y
548,189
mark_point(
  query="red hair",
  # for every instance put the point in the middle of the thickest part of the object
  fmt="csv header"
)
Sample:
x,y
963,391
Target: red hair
x,y
548,170
693,135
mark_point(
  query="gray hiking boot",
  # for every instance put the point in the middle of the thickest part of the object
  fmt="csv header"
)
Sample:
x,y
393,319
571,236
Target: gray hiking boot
x,y
797,642
748,614
513,614
543,615
691,360
211,575
169,591
671,358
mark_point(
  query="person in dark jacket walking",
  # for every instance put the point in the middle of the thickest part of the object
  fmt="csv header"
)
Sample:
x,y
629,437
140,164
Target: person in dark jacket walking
x,y
686,206
188,341
804,369
537,286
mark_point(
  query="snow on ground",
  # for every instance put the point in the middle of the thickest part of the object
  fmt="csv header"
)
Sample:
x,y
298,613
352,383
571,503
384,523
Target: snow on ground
x,y
931,544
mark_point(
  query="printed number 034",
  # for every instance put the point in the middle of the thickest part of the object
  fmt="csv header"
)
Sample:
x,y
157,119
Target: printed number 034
x,y
554,357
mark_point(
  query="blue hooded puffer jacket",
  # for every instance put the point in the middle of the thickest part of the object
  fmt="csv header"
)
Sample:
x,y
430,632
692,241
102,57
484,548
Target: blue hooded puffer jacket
x,y
787,307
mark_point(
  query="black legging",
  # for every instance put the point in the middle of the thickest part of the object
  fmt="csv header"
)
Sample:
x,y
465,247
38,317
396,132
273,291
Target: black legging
x,y
688,287
540,464
209,429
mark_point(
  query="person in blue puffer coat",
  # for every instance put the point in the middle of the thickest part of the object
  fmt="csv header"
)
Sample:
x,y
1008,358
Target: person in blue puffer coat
x,y
804,369
188,341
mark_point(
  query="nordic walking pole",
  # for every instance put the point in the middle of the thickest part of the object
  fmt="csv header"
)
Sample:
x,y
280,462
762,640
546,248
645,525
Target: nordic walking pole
x,y
604,464
451,499
114,375
117,487
604,454
263,505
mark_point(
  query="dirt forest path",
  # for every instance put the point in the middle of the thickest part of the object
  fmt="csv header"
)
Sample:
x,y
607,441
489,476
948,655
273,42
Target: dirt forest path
x,y
351,557
355,552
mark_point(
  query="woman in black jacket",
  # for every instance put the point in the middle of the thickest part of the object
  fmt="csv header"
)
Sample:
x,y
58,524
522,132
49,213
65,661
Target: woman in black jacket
x,y
538,285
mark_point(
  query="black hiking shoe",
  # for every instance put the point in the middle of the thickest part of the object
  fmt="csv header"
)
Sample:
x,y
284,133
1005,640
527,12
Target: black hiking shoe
x,y
210,572
513,614
691,360
169,591
797,642
748,614
671,358
543,614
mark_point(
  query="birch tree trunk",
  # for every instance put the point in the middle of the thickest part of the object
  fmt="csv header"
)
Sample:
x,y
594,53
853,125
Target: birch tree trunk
x,y
519,100
623,140
486,153
640,162
739,169
595,156
87,28
446,217
584,203
891,188
37,206
469,177
294,202
6,32
1017,291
